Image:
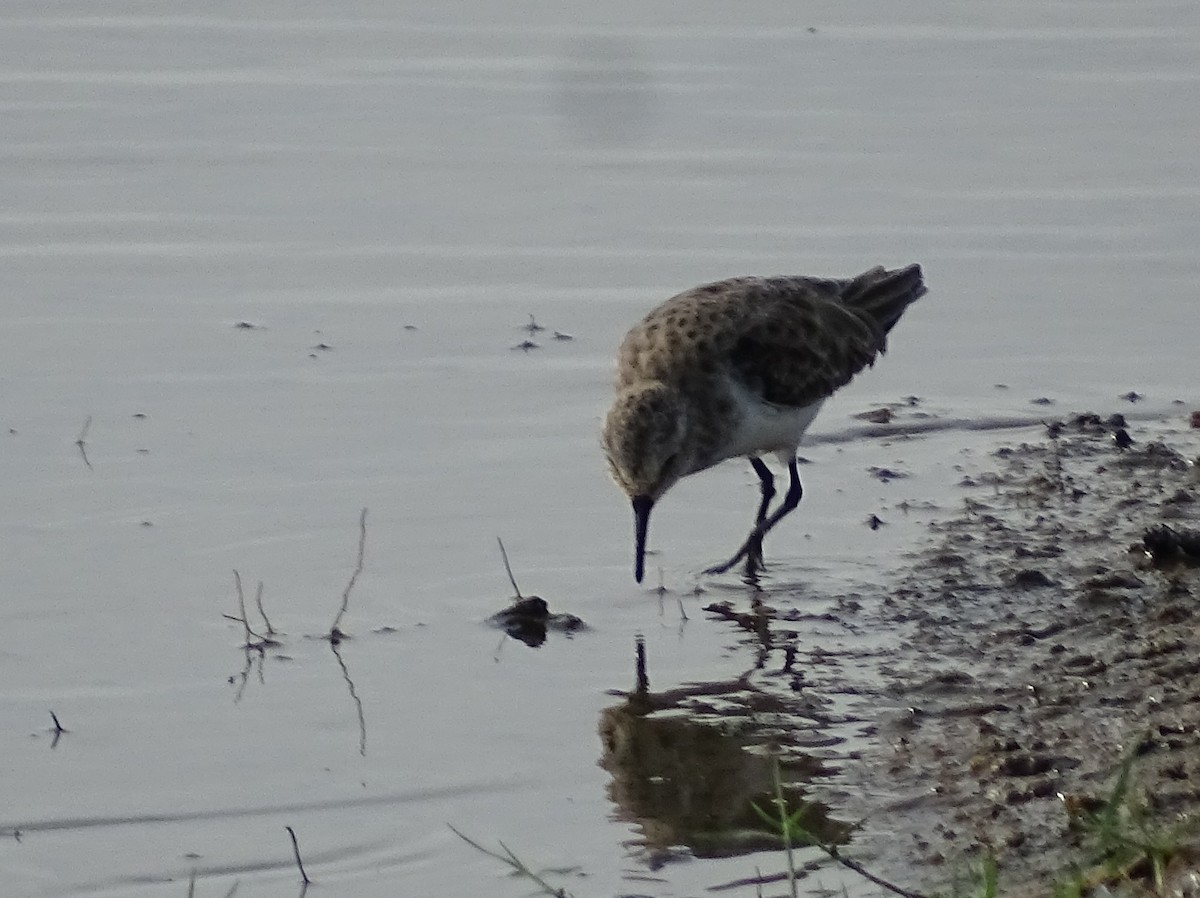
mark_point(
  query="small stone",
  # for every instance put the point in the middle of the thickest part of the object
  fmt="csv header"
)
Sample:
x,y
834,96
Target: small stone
x,y
876,416
1031,578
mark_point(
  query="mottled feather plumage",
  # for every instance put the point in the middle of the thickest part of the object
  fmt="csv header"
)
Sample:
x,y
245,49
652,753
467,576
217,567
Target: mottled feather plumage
x,y
741,366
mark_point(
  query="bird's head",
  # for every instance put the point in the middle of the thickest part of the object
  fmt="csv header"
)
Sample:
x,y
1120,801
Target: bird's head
x,y
644,442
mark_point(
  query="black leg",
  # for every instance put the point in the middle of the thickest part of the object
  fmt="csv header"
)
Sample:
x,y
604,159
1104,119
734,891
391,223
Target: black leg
x,y
767,480
754,559
753,545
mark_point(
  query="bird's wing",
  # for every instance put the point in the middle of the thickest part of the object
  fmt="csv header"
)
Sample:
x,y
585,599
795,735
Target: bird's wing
x,y
798,343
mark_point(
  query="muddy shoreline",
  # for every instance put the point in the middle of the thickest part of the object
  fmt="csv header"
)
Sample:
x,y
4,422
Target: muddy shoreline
x,y
977,703
1041,643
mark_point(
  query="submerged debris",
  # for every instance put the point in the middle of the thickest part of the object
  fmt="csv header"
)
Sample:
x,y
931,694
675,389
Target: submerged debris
x,y
529,619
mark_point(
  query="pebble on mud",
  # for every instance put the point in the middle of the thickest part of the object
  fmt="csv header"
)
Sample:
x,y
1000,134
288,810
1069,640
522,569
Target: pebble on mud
x,y
876,416
1030,578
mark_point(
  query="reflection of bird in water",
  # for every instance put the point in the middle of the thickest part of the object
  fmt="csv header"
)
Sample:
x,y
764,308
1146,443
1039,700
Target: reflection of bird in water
x,y
692,774
741,367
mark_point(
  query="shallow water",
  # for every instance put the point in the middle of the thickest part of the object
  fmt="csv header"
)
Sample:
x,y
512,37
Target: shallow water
x,y
333,176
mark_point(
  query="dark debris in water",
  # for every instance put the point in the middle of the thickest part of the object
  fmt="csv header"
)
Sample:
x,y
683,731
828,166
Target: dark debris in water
x,y
529,619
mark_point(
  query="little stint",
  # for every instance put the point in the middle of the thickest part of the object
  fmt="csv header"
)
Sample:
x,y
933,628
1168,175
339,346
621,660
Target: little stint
x,y
740,368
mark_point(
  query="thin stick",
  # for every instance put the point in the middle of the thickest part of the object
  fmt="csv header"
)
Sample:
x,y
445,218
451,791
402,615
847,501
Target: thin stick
x,y
258,601
250,634
788,827
858,868
192,884
81,441
508,567
362,718
59,729
518,866
296,852
335,632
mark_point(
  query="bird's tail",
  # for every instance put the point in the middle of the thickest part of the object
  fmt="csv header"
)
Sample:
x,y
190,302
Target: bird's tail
x,y
883,294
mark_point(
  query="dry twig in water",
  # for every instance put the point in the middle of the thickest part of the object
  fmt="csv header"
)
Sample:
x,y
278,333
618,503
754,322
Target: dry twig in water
x,y
335,632
253,640
81,441
518,866
362,717
262,613
296,851
508,568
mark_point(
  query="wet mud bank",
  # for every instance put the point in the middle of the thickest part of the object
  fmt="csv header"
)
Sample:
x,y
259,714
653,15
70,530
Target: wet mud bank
x,y
1052,627
977,703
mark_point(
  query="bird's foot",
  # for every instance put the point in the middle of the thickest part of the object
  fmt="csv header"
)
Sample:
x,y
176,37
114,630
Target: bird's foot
x,y
754,563
751,551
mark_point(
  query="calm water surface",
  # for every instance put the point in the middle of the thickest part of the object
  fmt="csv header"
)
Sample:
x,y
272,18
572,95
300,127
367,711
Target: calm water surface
x,y
387,192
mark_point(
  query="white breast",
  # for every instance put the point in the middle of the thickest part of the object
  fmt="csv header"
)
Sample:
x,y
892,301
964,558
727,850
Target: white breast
x,y
764,428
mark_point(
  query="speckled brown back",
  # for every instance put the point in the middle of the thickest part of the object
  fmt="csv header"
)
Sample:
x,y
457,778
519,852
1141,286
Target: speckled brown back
x,y
794,340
